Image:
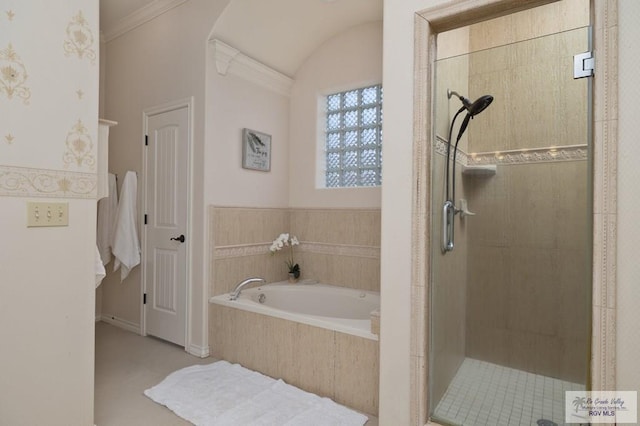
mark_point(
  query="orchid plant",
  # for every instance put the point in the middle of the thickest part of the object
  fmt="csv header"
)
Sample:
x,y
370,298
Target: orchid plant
x,y
285,240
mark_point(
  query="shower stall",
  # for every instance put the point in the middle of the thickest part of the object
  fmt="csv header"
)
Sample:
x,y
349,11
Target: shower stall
x,y
510,301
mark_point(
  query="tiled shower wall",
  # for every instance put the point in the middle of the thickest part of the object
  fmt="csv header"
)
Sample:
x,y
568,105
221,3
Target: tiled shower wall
x,y
528,282
449,287
528,269
337,246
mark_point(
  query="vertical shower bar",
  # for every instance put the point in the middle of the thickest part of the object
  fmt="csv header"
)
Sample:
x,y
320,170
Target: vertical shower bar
x,y
448,214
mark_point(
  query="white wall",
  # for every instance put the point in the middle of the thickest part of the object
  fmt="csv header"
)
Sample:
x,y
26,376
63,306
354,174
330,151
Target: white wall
x,y
161,61
349,60
395,250
47,277
628,339
232,105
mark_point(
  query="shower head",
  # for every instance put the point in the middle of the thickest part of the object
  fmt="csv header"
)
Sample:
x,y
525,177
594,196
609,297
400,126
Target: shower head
x,y
480,104
474,108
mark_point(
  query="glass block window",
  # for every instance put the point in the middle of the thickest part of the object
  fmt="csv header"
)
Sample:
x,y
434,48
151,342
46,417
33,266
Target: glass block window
x,y
354,138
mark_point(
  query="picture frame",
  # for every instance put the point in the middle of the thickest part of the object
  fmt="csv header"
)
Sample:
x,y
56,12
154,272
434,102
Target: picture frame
x,y
256,150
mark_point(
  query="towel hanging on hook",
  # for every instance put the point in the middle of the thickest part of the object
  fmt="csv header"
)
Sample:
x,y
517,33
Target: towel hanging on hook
x,y
126,246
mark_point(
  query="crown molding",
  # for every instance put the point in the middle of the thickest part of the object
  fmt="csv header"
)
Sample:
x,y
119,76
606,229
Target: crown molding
x,y
230,60
139,17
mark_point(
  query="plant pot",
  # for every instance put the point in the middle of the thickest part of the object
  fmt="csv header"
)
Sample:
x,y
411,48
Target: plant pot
x,y
292,278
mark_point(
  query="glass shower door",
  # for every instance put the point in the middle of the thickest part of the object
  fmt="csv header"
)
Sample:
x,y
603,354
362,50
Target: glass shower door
x,y
510,304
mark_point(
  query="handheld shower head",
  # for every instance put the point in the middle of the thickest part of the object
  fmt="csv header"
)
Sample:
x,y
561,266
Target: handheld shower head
x,y
480,104
450,209
474,108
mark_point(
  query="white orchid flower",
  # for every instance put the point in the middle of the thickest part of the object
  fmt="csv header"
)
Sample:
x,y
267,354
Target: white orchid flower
x,y
285,239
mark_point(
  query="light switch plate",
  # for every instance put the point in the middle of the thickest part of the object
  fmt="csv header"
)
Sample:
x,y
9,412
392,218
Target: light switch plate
x,y
47,214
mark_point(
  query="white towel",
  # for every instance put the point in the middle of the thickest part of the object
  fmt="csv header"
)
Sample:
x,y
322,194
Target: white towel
x,y
126,247
227,394
107,209
99,268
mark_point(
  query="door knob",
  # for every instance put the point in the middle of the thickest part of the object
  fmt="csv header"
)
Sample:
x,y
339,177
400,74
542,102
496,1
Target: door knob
x,y
180,238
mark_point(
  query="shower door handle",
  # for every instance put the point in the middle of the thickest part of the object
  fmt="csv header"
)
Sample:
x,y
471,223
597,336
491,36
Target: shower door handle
x,y
448,215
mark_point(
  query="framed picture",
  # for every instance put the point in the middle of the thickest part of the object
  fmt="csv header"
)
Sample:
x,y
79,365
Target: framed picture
x,y
256,150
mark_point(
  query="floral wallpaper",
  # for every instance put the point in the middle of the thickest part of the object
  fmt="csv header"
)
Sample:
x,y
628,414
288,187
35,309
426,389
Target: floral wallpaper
x,y
48,148
79,150
13,75
79,41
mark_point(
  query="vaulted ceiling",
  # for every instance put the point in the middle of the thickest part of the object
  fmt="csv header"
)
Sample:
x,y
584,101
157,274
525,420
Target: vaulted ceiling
x,y
278,33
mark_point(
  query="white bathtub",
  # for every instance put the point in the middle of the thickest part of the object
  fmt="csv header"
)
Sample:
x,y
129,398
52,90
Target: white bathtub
x,y
335,308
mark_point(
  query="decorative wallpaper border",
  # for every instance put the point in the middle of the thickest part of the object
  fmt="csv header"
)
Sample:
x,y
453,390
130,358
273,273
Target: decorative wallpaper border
x,y
28,182
242,250
549,154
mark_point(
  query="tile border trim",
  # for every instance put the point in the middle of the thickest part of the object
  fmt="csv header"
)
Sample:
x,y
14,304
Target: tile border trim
x,y
550,154
243,250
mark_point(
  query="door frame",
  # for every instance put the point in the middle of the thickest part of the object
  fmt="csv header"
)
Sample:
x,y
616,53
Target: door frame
x,y
147,113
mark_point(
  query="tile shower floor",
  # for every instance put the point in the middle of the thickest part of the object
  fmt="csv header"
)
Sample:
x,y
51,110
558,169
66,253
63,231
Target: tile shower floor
x,y
482,393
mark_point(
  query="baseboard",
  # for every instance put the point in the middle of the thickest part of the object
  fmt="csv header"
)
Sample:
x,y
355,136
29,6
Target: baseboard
x,y
199,351
122,323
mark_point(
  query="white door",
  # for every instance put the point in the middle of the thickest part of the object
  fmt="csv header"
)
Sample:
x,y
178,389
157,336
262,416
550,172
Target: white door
x,y
166,189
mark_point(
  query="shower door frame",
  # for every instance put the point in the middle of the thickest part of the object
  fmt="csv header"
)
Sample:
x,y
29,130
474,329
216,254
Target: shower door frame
x,y
428,23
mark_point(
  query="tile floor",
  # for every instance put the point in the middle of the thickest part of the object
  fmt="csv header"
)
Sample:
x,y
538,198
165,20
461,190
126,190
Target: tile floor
x,y
482,393
126,365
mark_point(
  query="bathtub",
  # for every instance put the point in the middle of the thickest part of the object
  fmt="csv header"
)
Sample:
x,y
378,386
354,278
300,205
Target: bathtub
x,y
327,306
314,336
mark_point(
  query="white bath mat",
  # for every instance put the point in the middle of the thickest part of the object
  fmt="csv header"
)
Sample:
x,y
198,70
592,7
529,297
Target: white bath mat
x,y
224,394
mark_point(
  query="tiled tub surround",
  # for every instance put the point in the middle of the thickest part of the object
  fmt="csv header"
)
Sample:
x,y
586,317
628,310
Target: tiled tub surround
x,y
337,246
340,366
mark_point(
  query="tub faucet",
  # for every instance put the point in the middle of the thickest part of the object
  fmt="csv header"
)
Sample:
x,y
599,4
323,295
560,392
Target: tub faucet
x,y
236,291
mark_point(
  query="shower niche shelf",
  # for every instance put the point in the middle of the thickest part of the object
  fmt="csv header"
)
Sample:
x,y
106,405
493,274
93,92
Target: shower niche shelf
x,y
477,170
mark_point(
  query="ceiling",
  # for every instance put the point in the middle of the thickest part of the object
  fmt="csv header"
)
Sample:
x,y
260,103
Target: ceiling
x,y
113,11
283,33
278,33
